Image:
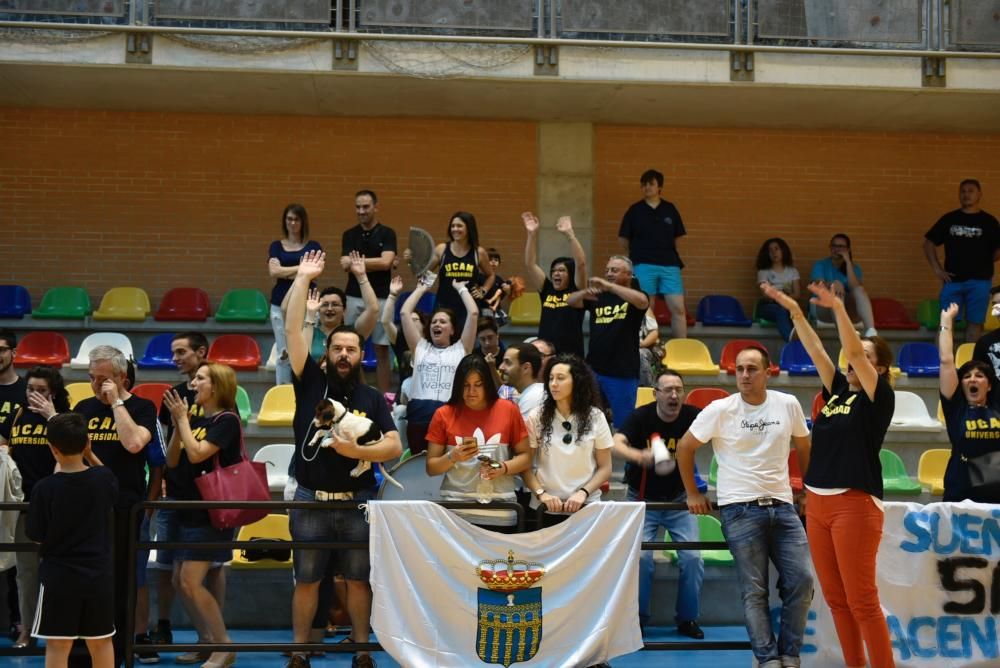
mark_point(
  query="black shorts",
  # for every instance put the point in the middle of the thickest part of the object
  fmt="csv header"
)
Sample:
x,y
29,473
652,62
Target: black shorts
x,y
74,614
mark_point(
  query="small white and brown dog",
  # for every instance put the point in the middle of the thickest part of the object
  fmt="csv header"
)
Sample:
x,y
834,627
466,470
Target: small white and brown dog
x,y
332,417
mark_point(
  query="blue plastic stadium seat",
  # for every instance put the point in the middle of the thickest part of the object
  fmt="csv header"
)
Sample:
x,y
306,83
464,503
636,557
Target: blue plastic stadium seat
x,y
919,358
369,361
425,304
796,361
158,354
15,302
722,311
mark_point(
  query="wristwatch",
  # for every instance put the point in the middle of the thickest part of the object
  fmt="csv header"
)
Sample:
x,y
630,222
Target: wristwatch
x,y
116,403
538,492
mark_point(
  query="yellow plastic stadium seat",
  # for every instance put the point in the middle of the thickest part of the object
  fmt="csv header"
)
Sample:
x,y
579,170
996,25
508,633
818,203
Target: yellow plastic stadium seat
x,y
123,304
940,413
689,356
930,470
78,392
894,371
278,407
991,322
644,395
964,354
526,310
271,527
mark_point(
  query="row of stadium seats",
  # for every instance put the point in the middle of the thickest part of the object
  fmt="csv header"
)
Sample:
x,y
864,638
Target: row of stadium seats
x,y
918,359
239,351
726,311
132,304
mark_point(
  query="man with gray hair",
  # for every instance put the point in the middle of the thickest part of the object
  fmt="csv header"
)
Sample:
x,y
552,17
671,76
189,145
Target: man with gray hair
x,y
616,313
120,424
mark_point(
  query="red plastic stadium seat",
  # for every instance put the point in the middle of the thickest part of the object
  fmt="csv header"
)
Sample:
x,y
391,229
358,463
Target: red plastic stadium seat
x,y
662,313
818,404
733,348
184,304
152,391
890,314
237,350
703,396
42,348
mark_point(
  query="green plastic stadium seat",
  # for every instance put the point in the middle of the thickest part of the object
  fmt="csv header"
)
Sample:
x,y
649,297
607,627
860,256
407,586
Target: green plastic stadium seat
x,y
63,303
243,306
243,404
709,529
894,477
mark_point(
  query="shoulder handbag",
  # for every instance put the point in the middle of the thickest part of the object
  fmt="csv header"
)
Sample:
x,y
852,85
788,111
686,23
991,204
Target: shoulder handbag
x,y
243,481
984,476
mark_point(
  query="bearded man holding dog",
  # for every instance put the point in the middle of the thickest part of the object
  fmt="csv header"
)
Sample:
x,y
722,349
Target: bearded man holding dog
x,y
323,468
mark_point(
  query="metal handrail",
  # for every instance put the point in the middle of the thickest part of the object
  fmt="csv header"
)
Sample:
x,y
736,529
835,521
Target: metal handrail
x,y
496,39
135,545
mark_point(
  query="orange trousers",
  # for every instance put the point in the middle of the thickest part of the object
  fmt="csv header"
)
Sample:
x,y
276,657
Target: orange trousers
x,y
844,534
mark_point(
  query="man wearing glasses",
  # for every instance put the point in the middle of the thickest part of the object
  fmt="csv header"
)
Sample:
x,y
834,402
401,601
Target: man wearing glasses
x,y
13,388
842,275
751,432
667,418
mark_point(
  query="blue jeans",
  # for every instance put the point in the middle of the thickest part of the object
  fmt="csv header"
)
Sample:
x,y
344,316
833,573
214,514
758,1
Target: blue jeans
x,y
683,527
620,393
756,534
777,314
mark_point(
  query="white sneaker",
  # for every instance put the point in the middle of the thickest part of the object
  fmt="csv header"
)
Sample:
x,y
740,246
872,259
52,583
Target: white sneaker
x,y
870,332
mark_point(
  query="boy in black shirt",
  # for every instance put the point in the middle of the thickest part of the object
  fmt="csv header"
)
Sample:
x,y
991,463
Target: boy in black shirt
x,y
70,517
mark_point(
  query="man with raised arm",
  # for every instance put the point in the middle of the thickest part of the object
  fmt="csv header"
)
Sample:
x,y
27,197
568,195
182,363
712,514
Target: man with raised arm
x,y
616,314
751,432
324,473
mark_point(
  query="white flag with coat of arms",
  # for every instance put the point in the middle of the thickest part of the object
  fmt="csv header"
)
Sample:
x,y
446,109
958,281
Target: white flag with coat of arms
x,y
449,594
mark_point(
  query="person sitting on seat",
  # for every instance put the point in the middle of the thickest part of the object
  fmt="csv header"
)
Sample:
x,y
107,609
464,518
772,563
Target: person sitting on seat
x,y
842,275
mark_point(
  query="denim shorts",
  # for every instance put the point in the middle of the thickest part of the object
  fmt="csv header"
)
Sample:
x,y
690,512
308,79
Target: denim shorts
x,y
330,526
142,556
204,534
972,297
168,528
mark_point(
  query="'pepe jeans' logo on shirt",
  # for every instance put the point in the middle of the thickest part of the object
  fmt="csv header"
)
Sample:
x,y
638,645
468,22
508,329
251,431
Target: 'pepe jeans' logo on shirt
x,y
758,426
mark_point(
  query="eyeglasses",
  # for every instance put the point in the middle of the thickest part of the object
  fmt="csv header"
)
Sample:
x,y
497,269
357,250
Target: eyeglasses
x,y
5,349
669,390
838,246
568,428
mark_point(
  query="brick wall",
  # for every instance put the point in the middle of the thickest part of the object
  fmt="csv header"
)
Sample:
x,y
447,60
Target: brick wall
x,y
160,200
735,188
100,199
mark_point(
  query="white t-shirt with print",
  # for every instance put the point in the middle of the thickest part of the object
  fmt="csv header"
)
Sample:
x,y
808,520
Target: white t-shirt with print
x,y
780,279
563,468
434,370
530,399
751,444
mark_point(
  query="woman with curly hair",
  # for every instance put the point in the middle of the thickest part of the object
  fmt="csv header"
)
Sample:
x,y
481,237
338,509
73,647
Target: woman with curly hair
x,y
570,440
776,268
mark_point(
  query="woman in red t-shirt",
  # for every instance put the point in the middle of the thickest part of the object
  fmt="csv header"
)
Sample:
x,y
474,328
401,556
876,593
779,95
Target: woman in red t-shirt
x,y
475,425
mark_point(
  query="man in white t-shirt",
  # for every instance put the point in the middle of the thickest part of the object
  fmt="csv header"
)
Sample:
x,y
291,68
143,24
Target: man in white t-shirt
x,y
521,368
750,433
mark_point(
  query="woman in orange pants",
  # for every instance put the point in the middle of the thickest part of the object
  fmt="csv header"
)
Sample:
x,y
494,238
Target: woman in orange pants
x,y
844,479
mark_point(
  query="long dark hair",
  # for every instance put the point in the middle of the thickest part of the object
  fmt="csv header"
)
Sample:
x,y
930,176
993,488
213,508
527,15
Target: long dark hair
x,y
472,363
764,254
57,387
570,267
470,226
586,395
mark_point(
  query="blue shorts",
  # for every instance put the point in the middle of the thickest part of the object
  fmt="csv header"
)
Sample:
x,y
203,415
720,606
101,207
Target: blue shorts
x,y
330,526
168,529
972,297
655,279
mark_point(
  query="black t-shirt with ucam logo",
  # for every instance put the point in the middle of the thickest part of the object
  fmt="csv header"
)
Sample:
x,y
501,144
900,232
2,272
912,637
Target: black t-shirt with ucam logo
x,y
12,398
27,438
560,324
128,467
614,336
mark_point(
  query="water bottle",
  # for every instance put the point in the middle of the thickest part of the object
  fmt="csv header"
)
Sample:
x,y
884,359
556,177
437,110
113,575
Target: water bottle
x,y
484,490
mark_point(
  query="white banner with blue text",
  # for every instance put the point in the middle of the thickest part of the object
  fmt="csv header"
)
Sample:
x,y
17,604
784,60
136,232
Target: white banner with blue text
x,y
939,585
448,594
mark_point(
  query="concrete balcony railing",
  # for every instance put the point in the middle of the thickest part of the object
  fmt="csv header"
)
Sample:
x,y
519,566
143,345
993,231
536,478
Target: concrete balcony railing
x,y
947,27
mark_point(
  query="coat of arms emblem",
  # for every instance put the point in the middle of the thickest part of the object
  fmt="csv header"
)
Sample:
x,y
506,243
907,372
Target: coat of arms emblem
x,y
509,628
